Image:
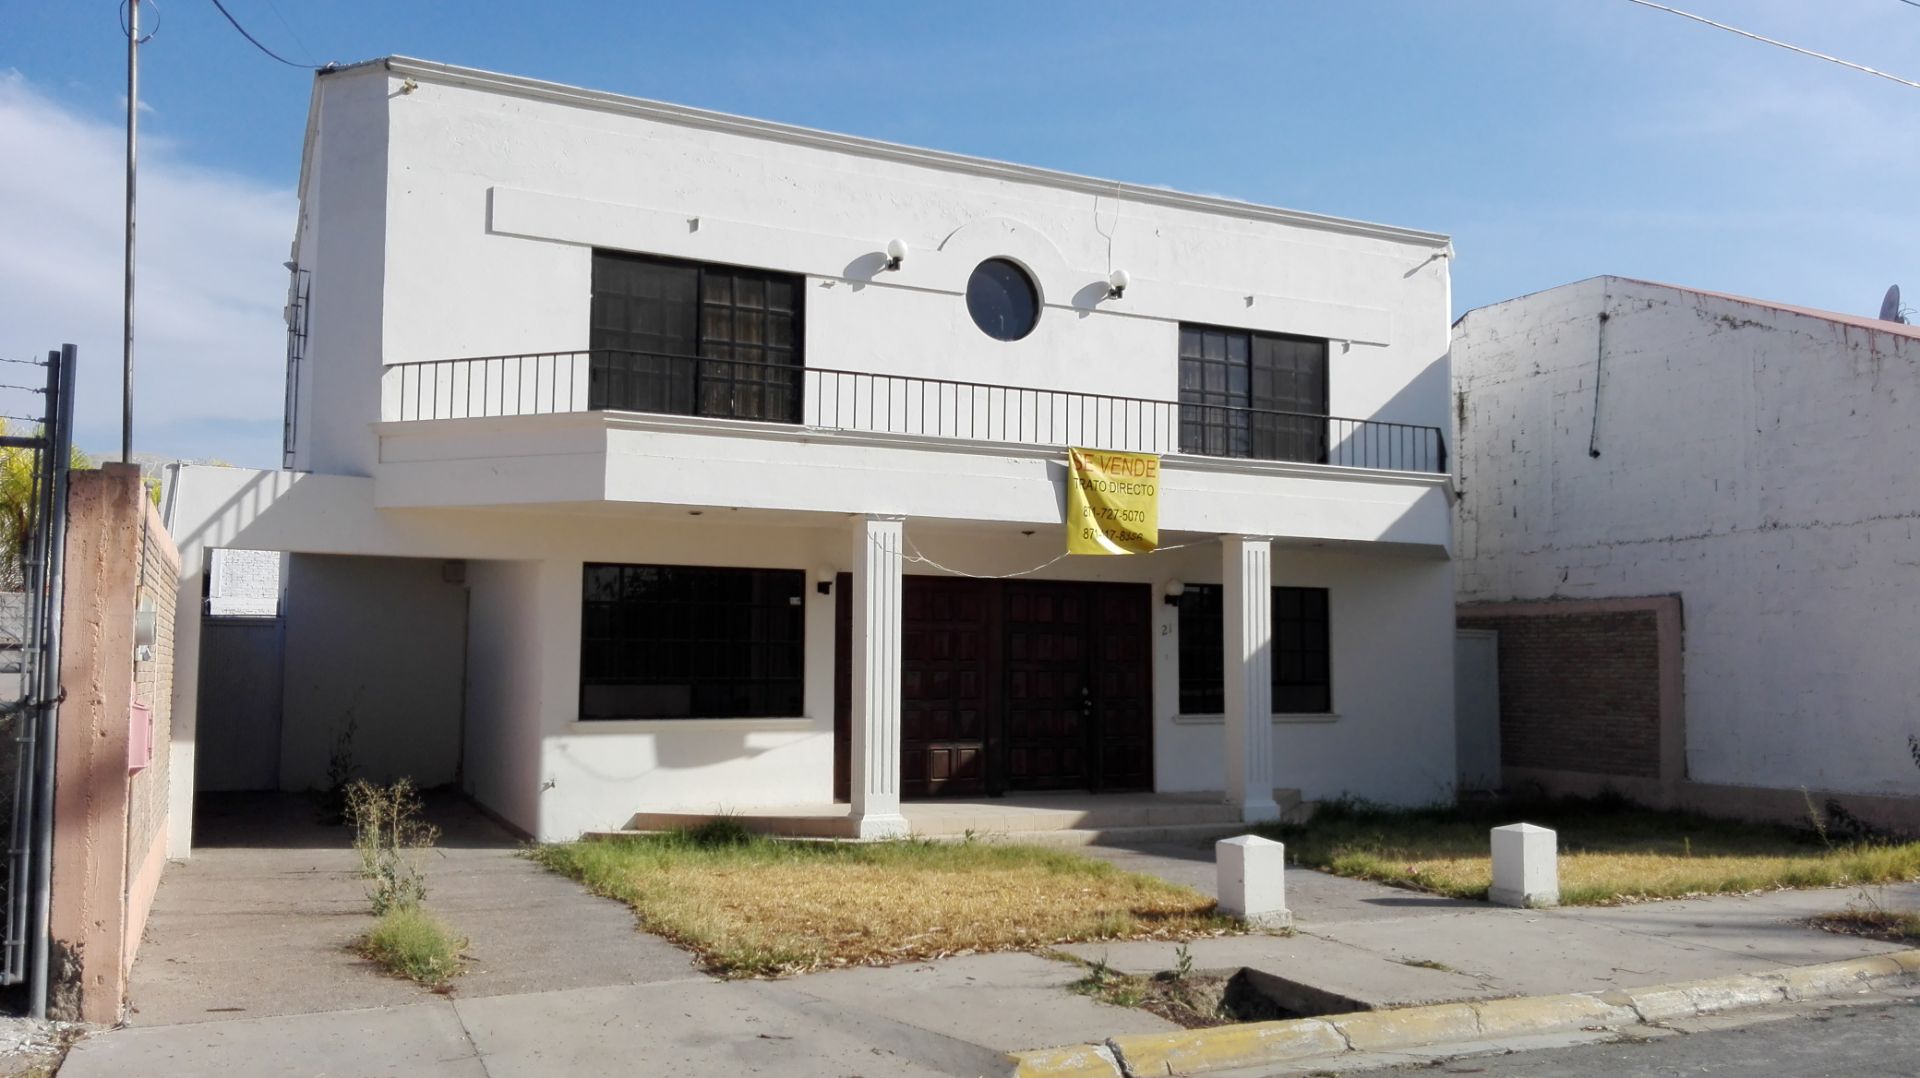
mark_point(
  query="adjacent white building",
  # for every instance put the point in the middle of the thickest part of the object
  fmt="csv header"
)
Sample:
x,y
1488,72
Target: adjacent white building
x,y
646,458
1691,519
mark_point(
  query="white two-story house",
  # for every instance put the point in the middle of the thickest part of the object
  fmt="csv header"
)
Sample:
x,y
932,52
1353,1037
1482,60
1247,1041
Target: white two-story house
x,y
642,458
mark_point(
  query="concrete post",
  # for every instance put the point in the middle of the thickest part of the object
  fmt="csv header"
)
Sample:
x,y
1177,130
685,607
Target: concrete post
x,y
1247,592
1526,869
1252,880
875,775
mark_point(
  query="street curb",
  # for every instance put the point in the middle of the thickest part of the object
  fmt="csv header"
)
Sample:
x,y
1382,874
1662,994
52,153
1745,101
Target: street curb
x,y
1196,1051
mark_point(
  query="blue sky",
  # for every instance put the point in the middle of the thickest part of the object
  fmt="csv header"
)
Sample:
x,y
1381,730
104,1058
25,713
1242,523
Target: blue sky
x,y
1553,140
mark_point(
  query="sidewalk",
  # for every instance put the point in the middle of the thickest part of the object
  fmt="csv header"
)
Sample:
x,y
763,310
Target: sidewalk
x,y
657,1015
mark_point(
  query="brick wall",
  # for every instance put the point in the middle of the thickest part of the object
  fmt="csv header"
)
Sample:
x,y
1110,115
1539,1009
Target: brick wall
x,y
1578,691
153,686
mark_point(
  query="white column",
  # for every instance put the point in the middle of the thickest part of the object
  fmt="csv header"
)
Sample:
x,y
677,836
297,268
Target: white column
x,y
1247,592
876,678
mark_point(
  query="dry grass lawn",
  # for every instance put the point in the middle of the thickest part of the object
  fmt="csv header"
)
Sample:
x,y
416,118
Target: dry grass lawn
x,y
753,906
1609,851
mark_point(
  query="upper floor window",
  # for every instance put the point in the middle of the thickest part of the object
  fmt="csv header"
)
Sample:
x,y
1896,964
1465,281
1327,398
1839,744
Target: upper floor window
x,y
691,338
1302,671
1247,394
1003,300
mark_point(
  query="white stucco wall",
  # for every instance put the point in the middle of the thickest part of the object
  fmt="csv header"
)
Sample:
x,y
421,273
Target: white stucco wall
x,y
504,671
498,189
1755,461
377,641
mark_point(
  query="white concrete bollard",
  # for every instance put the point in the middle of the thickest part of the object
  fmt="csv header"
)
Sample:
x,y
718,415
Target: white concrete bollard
x,y
1252,878
1526,866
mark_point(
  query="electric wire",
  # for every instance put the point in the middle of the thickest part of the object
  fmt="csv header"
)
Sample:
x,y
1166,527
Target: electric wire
x,y
1777,42
222,8
914,555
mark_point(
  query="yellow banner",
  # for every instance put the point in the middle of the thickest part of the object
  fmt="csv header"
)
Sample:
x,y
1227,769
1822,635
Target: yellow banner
x,y
1113,502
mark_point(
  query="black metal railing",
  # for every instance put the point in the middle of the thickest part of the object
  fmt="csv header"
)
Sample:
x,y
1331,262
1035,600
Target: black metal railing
x,y
729,387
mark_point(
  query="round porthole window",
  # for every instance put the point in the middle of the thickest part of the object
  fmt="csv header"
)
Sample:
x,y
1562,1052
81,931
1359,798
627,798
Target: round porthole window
x,y
1002,300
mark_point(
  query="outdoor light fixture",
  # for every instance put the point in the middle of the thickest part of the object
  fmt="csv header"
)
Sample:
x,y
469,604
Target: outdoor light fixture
x,y
1175,590
823,579
896,252
1117,282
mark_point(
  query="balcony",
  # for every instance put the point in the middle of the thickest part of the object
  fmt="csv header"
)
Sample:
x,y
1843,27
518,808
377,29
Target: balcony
x,y
825,399
660,433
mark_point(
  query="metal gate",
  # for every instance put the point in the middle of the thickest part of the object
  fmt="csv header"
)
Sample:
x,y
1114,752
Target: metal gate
x,y
33,503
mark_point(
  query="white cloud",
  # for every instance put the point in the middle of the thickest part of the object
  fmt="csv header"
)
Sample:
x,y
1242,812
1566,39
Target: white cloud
x,y
210,345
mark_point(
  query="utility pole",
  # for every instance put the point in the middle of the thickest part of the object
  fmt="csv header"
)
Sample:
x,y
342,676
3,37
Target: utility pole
x,y
133,118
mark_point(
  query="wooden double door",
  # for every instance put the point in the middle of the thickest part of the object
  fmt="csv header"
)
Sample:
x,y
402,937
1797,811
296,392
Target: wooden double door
x,y
1012,685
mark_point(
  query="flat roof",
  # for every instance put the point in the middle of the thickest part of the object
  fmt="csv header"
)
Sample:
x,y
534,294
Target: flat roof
x,y
1859,321
707,119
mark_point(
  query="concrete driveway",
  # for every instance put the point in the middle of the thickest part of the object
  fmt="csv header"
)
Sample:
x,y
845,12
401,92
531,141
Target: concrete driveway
x,y
246,971
259,921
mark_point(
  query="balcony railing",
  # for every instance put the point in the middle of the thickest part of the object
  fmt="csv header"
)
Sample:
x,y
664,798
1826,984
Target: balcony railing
x,y
820,397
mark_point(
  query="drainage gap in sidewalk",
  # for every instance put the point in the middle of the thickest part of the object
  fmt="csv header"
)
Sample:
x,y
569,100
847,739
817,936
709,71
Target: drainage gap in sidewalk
x,y
1197,999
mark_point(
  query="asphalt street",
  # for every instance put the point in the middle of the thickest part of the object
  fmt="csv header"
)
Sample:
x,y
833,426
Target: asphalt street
x,y
1877,1039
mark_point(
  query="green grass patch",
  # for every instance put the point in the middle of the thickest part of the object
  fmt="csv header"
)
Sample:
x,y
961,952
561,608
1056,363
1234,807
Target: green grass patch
x,y
1610,850
756,906
412,943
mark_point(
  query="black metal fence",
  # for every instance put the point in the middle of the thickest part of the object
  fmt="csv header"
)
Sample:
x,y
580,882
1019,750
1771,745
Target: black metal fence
x,y
40,439
722,387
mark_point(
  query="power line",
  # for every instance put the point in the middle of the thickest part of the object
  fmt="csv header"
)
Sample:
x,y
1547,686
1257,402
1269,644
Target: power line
x,y
1774,41
1911,3
256,41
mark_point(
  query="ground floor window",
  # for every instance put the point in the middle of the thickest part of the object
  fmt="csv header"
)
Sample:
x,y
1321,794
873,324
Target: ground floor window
x,y
1302,664
684,642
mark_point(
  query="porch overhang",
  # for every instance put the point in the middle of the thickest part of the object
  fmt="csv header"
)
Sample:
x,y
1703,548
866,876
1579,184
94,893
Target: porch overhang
x,y
698,464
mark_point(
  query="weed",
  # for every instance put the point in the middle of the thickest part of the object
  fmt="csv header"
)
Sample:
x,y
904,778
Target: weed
x,y
1182,962
389,835
412,943
719,832
331,800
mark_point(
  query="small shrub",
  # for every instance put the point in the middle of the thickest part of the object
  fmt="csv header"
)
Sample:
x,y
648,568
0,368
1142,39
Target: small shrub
x,y
719,832
412,943
390,836
331,800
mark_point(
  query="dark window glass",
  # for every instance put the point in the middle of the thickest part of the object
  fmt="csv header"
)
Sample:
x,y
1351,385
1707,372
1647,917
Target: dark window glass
x,y
1302,663
681,642
1257,395
1002,300
688,338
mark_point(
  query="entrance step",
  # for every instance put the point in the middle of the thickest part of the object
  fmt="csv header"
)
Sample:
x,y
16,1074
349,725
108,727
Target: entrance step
x,y
1072,819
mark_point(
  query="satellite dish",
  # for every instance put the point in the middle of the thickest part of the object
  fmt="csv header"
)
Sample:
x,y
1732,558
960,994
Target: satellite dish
x,y
1890,307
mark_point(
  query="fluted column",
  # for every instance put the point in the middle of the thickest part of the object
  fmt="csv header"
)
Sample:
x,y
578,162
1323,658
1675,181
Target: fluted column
x,y
876,677
1247,593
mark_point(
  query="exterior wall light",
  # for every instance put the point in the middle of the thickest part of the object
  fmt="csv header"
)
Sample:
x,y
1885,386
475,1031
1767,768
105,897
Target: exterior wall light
x,y
1117,282
1175,589
896,252
823,578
